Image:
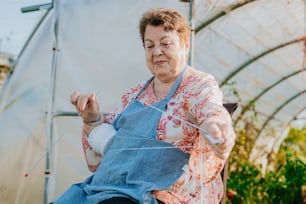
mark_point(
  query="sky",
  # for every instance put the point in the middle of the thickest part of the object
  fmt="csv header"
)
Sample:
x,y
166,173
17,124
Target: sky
x,y
15,26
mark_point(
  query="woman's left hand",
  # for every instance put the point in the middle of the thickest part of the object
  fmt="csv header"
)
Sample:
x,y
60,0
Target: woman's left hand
x,y
223,130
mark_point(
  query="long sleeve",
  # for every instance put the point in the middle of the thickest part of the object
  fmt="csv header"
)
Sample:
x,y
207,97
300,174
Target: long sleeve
x,y
209,110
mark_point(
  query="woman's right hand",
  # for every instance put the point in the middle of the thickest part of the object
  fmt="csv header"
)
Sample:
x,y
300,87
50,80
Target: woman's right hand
x,y
86,105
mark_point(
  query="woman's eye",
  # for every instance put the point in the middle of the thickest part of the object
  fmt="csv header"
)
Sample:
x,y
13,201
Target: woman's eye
x,y
167,44
149,46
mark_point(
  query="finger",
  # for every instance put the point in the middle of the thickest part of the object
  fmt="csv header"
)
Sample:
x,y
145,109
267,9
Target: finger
x,y
73,97
92,98
216,131
213,133
223,150
92,103
82,103
89,101
220,151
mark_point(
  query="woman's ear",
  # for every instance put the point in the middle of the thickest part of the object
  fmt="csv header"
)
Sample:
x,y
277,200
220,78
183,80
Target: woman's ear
x,y
187,47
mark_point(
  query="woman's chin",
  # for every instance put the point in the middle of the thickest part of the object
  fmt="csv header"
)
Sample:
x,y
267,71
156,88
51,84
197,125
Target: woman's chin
x,y
161,69
162,73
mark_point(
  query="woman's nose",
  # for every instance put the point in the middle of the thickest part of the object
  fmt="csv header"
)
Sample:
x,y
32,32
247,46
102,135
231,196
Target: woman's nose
x,y
157,50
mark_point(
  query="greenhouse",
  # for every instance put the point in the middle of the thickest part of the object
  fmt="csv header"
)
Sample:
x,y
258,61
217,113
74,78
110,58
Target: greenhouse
x,y
255,49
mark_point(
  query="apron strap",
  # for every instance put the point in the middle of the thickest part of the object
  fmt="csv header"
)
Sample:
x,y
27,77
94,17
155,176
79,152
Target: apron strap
x,y
175,85
144,87
163,104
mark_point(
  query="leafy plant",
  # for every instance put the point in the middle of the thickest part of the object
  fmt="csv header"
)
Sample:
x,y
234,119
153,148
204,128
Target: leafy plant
x,y
283,185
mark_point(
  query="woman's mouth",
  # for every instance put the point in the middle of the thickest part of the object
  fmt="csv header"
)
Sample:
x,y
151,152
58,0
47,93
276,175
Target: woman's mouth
x,y
159,62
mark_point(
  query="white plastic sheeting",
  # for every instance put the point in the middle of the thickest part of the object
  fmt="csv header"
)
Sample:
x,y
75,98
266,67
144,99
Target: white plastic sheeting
x,y
99,50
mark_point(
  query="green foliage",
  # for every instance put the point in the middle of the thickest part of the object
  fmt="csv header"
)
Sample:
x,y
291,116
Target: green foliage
x,y
244,183
283,185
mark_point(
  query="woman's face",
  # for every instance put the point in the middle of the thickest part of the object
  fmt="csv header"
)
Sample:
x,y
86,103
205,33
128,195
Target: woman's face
x,y
166,56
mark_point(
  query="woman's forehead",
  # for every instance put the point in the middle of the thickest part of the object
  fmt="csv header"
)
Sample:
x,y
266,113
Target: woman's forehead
x,y
158,32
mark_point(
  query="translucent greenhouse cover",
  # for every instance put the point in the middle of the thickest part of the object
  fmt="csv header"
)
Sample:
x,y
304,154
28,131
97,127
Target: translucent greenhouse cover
x,y
255,49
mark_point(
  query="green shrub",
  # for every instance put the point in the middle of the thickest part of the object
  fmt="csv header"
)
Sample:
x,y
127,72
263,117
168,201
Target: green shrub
x,y
284,185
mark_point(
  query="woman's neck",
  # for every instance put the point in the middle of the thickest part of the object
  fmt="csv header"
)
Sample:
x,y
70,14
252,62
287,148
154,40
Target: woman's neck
x,y
162,86
161,89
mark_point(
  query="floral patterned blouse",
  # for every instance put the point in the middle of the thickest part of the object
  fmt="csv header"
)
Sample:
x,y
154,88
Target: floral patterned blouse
x,y
197,98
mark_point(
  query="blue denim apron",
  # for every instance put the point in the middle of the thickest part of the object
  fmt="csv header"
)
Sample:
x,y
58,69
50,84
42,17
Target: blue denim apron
x,y
135,162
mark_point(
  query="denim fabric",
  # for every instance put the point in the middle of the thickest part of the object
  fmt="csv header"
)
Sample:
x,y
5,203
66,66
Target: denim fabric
x,y
135,162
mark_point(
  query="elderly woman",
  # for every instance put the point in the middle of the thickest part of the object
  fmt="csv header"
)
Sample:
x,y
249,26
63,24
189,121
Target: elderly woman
x,y
159,144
